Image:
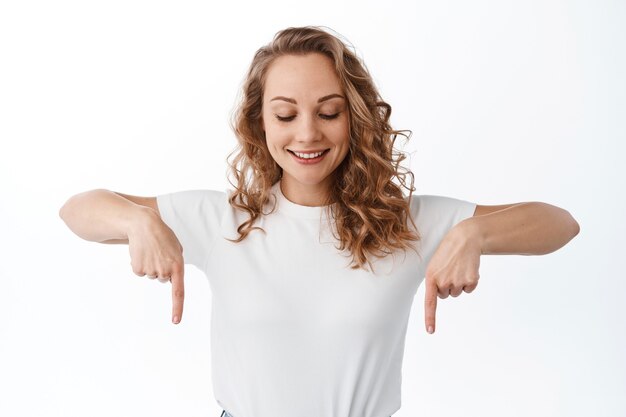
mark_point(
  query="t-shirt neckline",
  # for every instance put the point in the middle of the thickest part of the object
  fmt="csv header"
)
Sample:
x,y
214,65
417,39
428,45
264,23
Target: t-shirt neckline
x,y
290,208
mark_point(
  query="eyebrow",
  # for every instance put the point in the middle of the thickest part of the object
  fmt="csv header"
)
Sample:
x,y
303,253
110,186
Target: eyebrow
x,y
290,100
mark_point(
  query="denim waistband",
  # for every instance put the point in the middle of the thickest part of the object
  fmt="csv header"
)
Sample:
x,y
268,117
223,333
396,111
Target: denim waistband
x,y
225,414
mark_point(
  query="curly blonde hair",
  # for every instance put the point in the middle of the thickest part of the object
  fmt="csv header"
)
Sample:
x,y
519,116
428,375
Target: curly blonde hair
x,y
370,212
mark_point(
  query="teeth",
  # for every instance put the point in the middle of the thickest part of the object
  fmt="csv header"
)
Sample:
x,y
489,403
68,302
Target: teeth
x,y
308,155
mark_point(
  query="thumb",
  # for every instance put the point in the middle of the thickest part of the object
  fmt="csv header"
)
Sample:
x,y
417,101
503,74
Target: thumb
x,y
430,305
178,293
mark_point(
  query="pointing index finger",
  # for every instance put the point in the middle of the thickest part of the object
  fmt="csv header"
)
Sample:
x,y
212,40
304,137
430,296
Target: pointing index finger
x,y
430,305
178,294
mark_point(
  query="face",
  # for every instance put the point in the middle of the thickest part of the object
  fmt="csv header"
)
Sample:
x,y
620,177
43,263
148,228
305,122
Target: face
x,y
305,111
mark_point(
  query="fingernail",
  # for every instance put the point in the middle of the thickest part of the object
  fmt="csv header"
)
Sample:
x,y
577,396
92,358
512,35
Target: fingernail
x,y
175,321
430,329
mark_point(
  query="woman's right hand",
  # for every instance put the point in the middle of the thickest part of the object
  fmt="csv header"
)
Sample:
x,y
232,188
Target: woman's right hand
x,y
156,252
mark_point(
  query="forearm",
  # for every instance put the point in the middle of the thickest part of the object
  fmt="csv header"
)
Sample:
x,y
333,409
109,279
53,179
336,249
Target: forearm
x,y
100,215
533,228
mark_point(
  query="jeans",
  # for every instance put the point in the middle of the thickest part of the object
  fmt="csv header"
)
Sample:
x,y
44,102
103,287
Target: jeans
x,y
225,414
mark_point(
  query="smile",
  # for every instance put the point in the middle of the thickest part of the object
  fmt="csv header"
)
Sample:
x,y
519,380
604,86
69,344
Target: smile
x,y
308,158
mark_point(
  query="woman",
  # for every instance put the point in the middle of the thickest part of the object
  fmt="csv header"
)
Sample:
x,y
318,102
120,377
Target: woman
x,y
315,257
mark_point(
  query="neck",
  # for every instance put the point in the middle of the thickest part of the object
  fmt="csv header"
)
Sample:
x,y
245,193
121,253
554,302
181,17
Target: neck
x,y
312,195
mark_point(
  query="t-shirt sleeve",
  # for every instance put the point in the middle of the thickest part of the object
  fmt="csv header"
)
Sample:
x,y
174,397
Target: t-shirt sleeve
x,y
434,216
194,216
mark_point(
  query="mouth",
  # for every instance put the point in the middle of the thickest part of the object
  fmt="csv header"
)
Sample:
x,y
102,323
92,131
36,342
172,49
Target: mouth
x,y
309,160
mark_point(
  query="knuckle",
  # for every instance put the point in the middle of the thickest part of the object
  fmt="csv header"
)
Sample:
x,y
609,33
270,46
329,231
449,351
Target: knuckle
x,y
175,263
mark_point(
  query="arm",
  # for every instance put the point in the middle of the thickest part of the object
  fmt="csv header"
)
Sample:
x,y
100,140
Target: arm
x,y
105,216
533,228
108,217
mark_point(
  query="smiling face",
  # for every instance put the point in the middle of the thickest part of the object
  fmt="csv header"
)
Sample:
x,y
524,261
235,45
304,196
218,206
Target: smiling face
x,y
305,111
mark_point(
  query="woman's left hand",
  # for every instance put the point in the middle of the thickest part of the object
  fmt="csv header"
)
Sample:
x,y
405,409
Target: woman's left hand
x,y
452,269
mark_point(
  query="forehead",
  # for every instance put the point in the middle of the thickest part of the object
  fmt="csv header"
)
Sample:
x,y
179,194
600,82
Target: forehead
x,y
302,77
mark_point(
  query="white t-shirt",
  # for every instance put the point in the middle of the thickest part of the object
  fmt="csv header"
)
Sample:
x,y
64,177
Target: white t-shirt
x,y
294,331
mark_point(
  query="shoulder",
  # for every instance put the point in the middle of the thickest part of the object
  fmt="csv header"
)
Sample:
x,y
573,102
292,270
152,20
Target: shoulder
x,y
196,195
434,203
428,209
195,201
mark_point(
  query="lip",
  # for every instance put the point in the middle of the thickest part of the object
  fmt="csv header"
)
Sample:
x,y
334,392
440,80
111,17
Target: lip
x,y
312,151
309,161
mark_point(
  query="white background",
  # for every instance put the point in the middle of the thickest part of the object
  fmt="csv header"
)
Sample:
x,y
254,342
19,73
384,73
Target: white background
x,y
508,101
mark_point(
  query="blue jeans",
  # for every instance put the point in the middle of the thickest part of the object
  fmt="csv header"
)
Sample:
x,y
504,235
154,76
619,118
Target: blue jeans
x,y
225,414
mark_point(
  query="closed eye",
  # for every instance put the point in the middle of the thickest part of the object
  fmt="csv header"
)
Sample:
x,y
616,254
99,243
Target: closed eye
x,y
323,116
285,119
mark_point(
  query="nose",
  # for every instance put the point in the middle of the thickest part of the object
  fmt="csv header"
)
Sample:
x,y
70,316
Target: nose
x,y
308,130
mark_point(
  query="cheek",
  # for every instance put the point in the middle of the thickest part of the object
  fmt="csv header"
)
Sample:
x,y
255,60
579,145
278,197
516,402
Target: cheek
x,y
341,133
274,152
274,142
274,137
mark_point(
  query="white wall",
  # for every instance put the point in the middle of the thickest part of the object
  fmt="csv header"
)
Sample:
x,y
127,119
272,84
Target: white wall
x,y
508,101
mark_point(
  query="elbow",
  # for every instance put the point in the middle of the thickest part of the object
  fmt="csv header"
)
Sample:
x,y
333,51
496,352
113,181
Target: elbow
x,y
66,210
568,229
574,227
63,211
